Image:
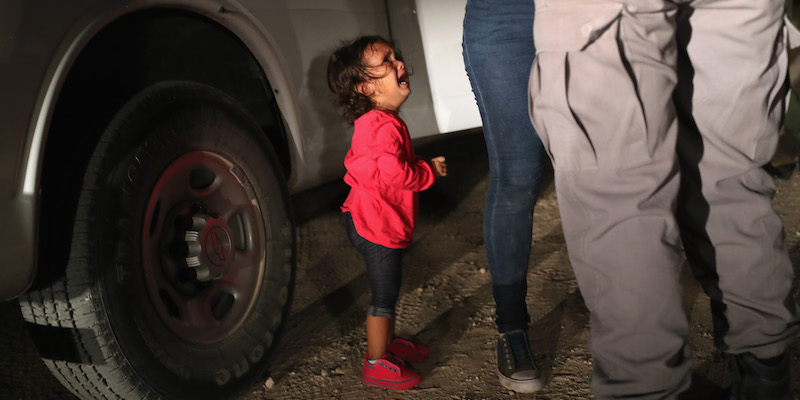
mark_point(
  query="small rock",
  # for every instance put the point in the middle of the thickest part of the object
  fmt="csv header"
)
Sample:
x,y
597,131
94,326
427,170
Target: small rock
x,y
323,372
269,384
482,270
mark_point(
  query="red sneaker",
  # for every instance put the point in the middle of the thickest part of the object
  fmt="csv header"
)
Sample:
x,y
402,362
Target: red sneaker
x,y
389,372
408,351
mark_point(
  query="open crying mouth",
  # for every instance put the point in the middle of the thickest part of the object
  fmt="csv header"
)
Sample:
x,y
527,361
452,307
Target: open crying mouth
x,y
403,80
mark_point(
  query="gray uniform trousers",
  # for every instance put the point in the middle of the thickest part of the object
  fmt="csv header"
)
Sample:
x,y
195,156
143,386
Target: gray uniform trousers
x,y
657,116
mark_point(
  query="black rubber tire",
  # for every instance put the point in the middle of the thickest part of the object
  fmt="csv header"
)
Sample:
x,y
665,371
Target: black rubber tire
x,y
125,322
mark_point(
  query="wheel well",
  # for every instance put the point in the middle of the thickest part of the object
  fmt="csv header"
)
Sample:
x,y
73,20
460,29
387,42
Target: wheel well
x,y
127,56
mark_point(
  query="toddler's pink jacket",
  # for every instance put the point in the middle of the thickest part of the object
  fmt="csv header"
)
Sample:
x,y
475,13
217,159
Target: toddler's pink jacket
x,y
385,177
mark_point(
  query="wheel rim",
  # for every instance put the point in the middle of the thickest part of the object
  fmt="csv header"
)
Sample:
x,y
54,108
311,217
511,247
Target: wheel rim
x,y
203,247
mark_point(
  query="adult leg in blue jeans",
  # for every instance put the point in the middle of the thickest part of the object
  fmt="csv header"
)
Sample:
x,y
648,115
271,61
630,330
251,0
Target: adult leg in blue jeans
x,y
498,53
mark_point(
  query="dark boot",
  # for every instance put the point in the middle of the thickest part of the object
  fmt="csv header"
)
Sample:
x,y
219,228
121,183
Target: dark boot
x,y
757,379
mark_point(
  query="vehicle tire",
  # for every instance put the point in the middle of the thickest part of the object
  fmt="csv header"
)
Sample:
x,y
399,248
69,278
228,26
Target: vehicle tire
x,y
182,256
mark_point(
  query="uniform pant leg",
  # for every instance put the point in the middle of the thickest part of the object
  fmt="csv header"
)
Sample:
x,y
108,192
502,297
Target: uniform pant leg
x,y
617,178
730,105
601,99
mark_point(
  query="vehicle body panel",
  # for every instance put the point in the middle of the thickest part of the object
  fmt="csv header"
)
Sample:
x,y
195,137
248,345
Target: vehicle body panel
x,y
291,40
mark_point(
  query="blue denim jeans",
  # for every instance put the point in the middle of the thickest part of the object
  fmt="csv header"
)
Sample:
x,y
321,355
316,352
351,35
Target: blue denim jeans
x,y
384,271
498,53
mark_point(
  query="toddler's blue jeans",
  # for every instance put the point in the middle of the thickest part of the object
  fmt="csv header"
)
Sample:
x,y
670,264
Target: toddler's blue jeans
x,y
384,271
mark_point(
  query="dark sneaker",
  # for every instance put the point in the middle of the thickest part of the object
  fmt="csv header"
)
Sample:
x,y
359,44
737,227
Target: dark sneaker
x,y
515,366
408,351
389,372
757,379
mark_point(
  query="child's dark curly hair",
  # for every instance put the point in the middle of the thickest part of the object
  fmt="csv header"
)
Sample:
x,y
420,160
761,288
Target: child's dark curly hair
x,y
346,70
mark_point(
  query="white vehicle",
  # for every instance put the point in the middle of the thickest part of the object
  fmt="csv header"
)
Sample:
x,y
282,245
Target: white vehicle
x,y
147,155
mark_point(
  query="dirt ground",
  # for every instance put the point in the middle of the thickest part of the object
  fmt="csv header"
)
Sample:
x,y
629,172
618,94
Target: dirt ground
x,y
445,301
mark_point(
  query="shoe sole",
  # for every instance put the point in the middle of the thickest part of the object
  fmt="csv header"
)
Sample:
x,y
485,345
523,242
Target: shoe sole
x,y
394,385
520,386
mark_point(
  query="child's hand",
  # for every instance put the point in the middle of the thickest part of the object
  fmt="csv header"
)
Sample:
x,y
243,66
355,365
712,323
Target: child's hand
x,y
440,165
